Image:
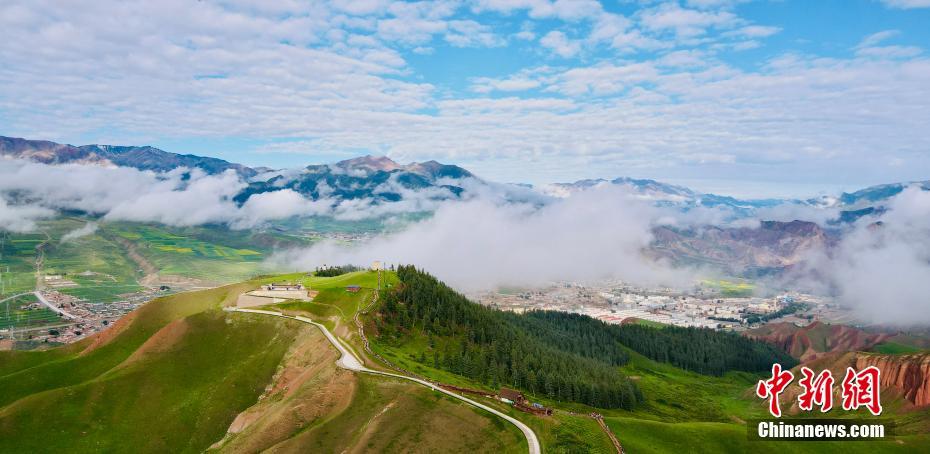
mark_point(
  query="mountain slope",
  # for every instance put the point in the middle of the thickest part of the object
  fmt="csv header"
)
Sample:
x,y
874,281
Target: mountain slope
x,y
375,178
771,247
179,375
142,158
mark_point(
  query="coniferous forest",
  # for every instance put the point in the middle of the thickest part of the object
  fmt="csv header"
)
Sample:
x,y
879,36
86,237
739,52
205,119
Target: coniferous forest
x,y
568,357
333,271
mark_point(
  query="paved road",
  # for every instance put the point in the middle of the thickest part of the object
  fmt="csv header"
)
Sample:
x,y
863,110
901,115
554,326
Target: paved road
x,y
348,360
53,307
14,296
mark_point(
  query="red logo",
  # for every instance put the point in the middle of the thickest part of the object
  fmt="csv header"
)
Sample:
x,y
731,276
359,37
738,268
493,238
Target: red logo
x,y
861,389
771,388
817,390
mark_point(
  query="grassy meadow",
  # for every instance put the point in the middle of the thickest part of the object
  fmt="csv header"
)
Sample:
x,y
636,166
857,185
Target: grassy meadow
x,y
176,373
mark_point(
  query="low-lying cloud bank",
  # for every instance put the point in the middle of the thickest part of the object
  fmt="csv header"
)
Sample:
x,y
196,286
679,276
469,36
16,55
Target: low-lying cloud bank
x,y
480,245
32,191
500,235
881,268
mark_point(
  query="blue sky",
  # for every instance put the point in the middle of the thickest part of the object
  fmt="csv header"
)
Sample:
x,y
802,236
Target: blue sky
x,y
743,97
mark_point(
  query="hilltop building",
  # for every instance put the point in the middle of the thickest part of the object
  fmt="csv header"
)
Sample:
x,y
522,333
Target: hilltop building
x,y
282,287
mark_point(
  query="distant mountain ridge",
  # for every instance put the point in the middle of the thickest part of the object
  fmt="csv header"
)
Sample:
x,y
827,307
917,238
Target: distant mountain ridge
x,y
367,177
142,158
359,177
663,193
378,178
768,247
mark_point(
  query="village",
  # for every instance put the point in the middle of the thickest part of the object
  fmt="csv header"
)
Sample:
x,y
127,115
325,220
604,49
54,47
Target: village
x,y
616,302
74,318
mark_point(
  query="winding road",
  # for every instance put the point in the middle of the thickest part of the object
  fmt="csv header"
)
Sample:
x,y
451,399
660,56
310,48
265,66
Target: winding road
x,y
51,306
348,360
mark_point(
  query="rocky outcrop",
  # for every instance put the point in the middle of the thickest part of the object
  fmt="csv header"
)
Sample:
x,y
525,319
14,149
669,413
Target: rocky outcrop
x,y
812,341
909,374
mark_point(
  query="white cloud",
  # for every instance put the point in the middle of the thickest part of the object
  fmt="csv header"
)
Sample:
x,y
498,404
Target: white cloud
x,y
907,4
560,44
360,7
181,197
878,37
754,31
683,58
869,47
468,33
80,232
482,245
686,22
883,270
17,218
570,10
889,51
337,76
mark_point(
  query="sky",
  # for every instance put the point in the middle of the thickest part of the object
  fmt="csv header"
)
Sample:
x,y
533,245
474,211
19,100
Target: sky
x,y
753,98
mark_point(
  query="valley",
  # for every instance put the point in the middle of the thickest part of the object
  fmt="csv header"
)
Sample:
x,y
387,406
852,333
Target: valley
x,y
266,382
465,226
95,307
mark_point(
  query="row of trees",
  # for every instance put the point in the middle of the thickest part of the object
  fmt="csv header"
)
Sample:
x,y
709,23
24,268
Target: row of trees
x,y
701,350
500,349
787,310
333,271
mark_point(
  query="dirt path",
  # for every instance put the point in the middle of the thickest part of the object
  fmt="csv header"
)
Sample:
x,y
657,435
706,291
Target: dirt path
x,y
348,360
613,438
149,269
40,261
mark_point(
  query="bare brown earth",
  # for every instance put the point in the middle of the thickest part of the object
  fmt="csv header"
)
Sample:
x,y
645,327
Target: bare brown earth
x,y
812,341
106,336
389,415
163,340
306,389
310,405
771,245
905,379
245,300
909,374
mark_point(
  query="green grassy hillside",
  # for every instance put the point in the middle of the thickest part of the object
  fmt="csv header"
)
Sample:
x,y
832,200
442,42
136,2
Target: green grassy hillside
x,y
180,375
177,393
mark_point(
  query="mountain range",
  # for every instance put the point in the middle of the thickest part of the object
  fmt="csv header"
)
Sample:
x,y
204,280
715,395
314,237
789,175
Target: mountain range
x,y
365,176
744,249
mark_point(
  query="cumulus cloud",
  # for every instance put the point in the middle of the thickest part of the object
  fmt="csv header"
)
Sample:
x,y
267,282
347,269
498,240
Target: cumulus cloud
x,y
337,76
560,44
480,245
